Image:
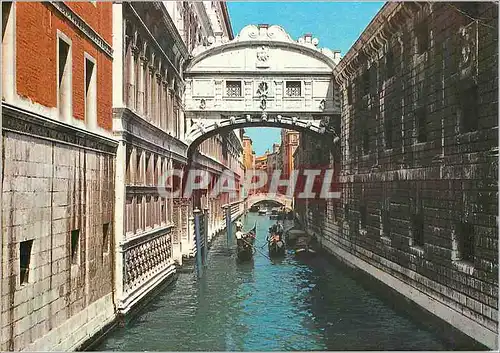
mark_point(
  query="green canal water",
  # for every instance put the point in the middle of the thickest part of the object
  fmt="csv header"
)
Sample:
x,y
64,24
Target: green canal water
x,y
281,305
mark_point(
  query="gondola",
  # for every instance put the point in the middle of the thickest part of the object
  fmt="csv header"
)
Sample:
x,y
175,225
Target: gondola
x,y
275,242
244,246
303,248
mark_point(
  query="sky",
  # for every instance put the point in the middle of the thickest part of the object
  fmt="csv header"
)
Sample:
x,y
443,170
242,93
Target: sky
x,y
337,25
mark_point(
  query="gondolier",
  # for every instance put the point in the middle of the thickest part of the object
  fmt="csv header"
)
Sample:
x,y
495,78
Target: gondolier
x,y
244,242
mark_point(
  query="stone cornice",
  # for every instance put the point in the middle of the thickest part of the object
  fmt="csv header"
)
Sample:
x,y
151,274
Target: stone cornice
x,y
24,122
79,23
178,41
140,132
375,37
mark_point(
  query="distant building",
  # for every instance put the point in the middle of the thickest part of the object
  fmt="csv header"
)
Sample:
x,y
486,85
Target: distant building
x,y
248,156
289,143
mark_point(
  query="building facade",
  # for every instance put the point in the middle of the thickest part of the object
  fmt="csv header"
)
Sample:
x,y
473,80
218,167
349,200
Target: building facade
x,y
105,133
58,175
419,162
289,143
156,39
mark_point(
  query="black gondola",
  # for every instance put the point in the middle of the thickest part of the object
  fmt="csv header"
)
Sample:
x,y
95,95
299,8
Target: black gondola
x,y
244,249
275,241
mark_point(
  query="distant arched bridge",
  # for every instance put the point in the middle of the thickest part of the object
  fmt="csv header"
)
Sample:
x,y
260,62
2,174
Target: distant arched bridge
x,y
284,200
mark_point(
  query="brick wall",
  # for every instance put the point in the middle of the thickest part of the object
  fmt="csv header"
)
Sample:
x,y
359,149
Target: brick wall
x,y
419,166
50,190
36,56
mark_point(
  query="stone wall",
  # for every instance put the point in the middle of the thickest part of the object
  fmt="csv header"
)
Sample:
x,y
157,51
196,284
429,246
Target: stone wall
x,y
419,164
57,278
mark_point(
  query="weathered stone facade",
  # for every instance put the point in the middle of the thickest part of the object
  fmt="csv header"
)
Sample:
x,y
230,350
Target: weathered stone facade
x,y
57,176
419,164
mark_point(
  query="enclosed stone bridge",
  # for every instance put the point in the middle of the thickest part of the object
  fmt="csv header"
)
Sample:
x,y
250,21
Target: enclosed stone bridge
x,y
254,199
262,78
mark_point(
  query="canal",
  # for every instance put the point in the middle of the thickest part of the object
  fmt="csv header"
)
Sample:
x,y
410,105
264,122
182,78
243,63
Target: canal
x,y
269,305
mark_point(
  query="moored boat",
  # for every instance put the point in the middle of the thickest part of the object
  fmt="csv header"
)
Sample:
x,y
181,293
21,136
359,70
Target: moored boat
x,y
244,246
293,235
303,248
263,211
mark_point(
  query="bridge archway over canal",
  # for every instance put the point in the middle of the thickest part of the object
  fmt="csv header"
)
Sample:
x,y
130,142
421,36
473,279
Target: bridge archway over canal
x,y
262,78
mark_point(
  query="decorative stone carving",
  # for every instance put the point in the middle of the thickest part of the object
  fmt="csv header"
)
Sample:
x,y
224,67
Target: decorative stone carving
x,y
262,90
203,104
263,57
322,104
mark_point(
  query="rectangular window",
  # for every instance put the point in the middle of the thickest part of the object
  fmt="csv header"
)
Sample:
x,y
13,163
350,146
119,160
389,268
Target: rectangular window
x,y
422,34
90,93
349,94
75,246
469,109
365,141
6,7
465,233
386,223
64,79
346,211
389,64
24,260
362,216
233,88
388,130
418,229
105,238
293,88
365,82
421,124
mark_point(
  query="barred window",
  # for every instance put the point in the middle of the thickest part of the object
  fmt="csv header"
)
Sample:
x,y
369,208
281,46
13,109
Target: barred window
x,y
349,94
389,64
362,216
233,88
465,246
388,130
468,109
418,229
293,88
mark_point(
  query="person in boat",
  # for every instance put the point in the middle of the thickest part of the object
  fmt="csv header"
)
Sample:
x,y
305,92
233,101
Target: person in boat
x,y
279,229
239,224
